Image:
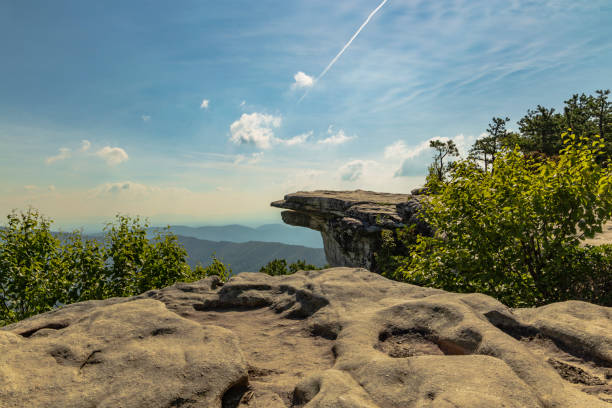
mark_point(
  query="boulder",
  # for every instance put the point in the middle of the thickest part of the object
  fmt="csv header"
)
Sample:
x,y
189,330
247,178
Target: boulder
x,y
351,222
341,337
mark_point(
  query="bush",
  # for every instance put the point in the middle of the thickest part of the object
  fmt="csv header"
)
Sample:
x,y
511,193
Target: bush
x,y
32,274
279,267
216,268
514,232
395,249
38,271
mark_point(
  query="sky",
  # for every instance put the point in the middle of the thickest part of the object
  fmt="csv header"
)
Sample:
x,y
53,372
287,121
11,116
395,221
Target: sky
x,y
202,112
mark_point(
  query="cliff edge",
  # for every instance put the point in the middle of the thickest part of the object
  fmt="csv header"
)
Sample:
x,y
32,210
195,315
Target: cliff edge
x,y
351,222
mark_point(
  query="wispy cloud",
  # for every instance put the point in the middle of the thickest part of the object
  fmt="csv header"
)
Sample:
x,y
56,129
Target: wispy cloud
x,y
146,118
112,155
85,145
64,153
204,104
336,138
296,140
252,159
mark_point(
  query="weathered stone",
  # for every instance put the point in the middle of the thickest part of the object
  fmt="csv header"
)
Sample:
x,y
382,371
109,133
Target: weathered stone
x,y
340,337
603,238
117,353
351,222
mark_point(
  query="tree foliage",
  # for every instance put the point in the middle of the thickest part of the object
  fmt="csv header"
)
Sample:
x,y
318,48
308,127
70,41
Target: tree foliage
x,y
216,268
40,271
514,233
486,148
441,166
585,115
278,267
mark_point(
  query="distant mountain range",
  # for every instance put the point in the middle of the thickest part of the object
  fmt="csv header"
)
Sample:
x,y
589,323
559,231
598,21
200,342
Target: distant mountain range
x,y
248,256
266,233
245,248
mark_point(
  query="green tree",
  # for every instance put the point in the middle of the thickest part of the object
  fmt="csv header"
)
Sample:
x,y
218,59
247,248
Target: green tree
x,y
486,148
578,112
85,265
278,267
301,265
39,271
32,278
443,151
216,268
514,232
541,129
602,112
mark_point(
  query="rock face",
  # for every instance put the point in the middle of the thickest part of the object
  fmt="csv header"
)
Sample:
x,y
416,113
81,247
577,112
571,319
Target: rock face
x,y
341,337
603,238
351,222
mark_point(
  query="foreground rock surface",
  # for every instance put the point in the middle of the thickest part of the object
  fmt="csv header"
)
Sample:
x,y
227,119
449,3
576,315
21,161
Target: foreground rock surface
x,y
351,222
341,337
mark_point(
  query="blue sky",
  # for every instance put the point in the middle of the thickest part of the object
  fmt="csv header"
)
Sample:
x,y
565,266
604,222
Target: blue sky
x,y
201,112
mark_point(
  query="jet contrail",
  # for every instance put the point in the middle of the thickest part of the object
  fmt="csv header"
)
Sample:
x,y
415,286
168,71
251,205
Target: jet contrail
x,y
365,23
333,61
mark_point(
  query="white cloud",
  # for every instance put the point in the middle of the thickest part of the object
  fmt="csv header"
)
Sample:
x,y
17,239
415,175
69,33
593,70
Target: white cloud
x,y
30,188
85,145
415,159
242,104
308,179
252,159
352,170
204,104
302,81
63,154
335,138
296,140
122,188
399,149
146,118
256,157
112,155
255,128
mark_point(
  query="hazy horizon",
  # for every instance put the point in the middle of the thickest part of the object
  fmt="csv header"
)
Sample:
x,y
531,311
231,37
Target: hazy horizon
x,y
204,112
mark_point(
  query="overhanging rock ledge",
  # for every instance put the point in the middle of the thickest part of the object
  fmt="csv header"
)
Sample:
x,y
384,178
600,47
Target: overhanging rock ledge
x,y
351,222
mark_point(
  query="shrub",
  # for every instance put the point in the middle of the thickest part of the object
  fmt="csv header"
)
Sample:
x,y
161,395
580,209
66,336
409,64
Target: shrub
x,y
32,276
216,268
279,267
38,271
514,232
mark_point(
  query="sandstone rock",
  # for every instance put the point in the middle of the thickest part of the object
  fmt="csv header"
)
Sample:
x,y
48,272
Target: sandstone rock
x,y
603,238
117,354
341,337
351,222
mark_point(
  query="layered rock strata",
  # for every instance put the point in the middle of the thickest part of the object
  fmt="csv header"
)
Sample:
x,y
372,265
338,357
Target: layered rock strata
x,y
351,222
341,337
